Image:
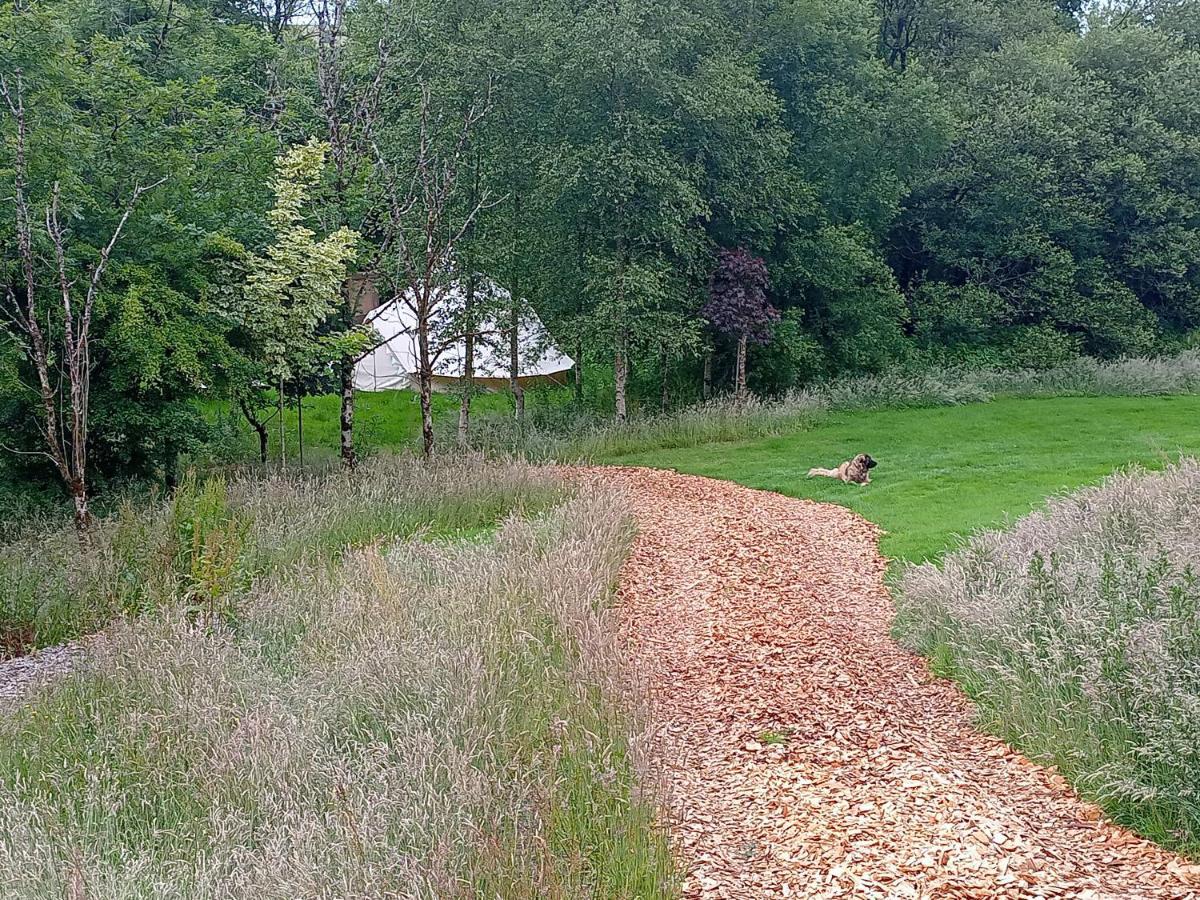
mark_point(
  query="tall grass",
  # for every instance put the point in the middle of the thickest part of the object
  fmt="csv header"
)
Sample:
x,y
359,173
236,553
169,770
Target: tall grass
x,y
415,719
586,436
557,434
1077,632
217,535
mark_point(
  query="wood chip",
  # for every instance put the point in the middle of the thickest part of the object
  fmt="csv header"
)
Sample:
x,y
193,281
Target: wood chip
x,y
748,613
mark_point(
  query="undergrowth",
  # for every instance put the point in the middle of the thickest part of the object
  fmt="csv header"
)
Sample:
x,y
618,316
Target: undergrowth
x,y
213,536
411,718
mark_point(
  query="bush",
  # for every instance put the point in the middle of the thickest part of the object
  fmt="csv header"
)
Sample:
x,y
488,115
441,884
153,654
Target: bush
x,y
1078,634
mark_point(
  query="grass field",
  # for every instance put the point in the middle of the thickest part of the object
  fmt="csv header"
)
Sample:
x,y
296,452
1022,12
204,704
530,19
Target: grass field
x,y
312,700
384,420
1074,631
948,471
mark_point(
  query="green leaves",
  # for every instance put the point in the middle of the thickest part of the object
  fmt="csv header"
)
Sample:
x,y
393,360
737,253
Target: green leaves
x,y
296,284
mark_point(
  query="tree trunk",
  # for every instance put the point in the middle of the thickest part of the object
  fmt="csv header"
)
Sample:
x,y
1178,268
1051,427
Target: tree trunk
x,y
83,513
740,378
282,430
621,374
300,426
579,370
468,384
514,363
706,387
662,364
349,456
260,428
425,383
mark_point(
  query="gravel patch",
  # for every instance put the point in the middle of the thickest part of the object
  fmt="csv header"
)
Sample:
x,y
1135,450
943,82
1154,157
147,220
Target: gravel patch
x,y
22,675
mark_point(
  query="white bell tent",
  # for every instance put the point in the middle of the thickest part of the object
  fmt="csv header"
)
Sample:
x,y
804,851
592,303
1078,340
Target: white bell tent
x,y
392,365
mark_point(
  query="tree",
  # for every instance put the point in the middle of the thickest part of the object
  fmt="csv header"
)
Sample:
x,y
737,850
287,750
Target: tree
x,y
737,305
899,29
65,435
426,226
290,290
351,71
113,103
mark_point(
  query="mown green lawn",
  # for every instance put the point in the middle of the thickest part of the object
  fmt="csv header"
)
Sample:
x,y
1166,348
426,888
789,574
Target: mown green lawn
x,y
948,471
384,420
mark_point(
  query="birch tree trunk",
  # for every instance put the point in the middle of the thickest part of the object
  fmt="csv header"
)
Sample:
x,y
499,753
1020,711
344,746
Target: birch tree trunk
x,y
514,364
662,364
579,370
468,376
346,414
621,373
83,513
425,384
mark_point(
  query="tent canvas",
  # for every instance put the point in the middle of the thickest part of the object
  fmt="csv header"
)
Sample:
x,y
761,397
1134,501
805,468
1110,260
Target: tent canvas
x,y
393,364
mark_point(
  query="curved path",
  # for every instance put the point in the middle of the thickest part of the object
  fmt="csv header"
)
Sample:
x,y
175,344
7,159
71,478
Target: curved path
x,y
813,757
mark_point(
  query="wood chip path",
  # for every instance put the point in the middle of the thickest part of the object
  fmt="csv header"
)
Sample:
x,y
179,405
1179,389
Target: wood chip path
x,y
759,618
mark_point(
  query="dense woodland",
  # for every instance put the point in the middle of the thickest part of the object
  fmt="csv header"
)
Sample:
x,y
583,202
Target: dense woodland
x,y
695,196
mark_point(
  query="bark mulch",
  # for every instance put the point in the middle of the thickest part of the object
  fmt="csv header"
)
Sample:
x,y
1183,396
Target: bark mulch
x,y
810,755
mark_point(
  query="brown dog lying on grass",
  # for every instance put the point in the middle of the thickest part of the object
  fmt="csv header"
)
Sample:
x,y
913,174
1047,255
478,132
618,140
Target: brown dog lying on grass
x,y
857,470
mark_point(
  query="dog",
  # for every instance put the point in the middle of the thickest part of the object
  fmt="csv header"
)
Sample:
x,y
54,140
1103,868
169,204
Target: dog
x,y
857,470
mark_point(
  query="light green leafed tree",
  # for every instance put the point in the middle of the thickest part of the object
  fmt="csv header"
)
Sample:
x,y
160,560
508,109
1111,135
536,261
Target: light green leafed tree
x,y
294,286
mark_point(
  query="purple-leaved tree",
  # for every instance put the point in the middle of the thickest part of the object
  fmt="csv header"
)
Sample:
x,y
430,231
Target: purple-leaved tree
x,y
737,305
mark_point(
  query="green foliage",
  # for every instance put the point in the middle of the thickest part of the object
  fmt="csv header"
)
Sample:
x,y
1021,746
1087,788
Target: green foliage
x,y
210,546
296,284
115,100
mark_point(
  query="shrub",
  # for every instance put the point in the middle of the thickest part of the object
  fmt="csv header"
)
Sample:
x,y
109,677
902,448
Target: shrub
x,y
1078,634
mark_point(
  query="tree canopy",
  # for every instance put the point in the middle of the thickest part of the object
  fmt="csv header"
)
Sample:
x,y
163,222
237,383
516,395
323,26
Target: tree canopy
x,y
993,182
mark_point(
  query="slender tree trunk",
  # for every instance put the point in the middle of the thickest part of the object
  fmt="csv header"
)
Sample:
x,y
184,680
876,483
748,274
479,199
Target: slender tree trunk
x,y
300,426
706,387
662,364
514,365
282,430
468,375
349,456
579,370
259,426
621,373
740,377
580,312
514,334
425,384
83,513
621,343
